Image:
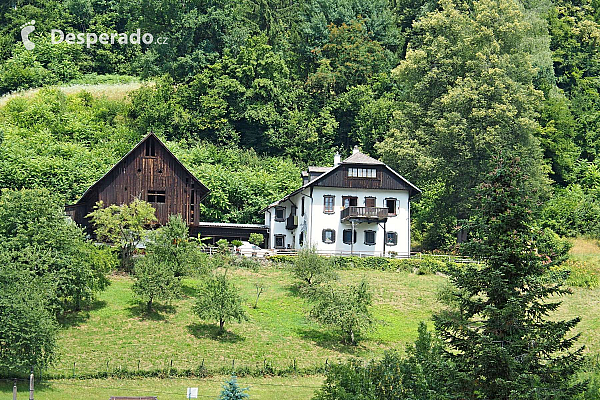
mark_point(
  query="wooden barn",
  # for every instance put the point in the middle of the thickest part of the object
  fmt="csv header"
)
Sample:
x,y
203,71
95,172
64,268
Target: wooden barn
x,y
149,172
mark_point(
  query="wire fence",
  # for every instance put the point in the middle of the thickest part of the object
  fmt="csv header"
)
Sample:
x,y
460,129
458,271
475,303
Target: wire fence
x,y
23,385
204,368
265,253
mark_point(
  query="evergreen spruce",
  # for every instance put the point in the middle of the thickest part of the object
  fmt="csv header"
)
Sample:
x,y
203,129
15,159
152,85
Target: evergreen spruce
x,y
231,390
497,330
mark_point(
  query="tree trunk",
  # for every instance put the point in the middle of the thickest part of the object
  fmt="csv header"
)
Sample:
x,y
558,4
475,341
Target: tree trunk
x,y
352,341
221,326
150,305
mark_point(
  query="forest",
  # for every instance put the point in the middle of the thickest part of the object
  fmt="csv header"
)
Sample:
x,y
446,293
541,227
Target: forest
x,y
249,92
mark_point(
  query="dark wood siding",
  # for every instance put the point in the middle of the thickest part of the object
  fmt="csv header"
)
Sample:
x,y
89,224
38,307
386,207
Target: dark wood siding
x,y
384,180
135,175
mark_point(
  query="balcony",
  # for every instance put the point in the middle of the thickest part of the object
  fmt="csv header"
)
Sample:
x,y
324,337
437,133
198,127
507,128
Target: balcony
x,y
364,214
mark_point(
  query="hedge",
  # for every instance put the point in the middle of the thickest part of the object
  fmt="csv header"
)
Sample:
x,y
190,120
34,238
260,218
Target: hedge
x,y
422,266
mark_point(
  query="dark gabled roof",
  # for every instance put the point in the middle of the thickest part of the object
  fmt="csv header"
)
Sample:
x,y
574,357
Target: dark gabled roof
x,y
357,158
160,143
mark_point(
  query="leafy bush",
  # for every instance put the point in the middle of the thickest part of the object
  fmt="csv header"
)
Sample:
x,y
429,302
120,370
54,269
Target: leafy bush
x,y
422,374
573,212
346,309
582,274
312,269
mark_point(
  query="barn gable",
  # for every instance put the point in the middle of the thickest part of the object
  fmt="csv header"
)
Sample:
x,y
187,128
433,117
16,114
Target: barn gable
x,y
149,172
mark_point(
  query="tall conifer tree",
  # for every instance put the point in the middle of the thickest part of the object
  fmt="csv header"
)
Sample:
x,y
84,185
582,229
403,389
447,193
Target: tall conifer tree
x,y
497,330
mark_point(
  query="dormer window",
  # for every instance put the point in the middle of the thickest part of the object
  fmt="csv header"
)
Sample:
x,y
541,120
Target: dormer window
x,y
362,173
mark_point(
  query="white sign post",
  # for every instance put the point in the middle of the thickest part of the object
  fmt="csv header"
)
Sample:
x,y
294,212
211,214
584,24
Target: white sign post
x,y
192,393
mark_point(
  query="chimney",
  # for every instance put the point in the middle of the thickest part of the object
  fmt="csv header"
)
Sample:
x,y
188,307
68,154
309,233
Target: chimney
x,y
355,150
337,159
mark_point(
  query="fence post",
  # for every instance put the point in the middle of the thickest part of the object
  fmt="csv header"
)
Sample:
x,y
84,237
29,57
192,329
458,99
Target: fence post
x,y
31,383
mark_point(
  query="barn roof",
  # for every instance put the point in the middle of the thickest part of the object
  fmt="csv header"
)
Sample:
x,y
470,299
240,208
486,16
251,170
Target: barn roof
x,y
203,188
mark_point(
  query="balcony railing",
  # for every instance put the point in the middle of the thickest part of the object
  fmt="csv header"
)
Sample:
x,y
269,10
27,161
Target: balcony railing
x,y
370,213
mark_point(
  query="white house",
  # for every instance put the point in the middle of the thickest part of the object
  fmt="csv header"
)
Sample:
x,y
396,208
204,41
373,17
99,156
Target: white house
x,y
358,206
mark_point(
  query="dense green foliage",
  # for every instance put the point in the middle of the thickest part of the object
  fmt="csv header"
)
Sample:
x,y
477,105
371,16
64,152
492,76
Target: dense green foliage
x,y
41,241
423,374
427,86
47,270
124,225
28,329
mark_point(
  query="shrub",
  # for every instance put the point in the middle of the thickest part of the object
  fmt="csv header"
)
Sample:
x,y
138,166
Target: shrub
x,y
311,268
346,309
582,274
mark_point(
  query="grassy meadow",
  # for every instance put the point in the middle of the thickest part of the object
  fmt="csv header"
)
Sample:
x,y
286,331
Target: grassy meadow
x,y
117,330
296,388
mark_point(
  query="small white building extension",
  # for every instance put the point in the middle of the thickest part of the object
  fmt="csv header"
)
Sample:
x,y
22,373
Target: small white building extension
x,y
358,206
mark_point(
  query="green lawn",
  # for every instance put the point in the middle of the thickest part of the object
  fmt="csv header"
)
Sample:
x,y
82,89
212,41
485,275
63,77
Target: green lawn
x,y
115,329
586,250
296,388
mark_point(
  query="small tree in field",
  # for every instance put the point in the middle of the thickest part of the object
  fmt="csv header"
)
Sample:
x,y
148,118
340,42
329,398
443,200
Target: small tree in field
x,y
123,225
232,391
346,309
155,279
172,244
311,268
219,301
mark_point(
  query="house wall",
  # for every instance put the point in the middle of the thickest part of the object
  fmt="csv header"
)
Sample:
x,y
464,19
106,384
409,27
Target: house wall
x,y
315,220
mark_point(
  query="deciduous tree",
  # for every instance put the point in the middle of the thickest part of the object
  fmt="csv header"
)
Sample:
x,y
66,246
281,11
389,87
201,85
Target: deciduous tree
x,y
124,226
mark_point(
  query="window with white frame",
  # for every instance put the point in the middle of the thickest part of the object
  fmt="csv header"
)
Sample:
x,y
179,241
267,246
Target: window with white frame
x,y
362,172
